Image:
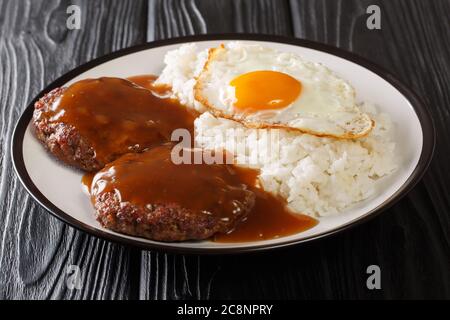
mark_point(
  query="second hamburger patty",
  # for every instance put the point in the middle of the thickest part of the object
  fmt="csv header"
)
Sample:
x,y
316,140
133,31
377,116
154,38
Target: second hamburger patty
x,y
94,121
147,195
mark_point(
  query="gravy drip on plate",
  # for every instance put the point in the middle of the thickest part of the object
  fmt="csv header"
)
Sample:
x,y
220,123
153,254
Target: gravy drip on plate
x,y
152,177
269,219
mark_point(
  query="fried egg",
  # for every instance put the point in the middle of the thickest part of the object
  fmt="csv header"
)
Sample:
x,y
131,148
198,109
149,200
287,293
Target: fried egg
x,y
262,88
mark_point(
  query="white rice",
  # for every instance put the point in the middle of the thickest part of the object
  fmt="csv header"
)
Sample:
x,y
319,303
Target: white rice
x,y
182,66
317,176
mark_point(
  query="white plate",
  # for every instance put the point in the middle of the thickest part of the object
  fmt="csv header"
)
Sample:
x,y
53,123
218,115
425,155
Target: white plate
x,y
58,188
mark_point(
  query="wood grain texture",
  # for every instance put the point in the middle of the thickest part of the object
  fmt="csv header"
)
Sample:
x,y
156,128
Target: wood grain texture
x,y
172,18
413,45
410,242
35,248
167,276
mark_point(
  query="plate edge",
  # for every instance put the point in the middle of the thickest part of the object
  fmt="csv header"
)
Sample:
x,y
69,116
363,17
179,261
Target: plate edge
x,y
425,119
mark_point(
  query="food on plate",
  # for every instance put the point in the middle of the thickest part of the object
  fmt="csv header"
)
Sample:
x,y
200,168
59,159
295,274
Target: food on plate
x,y
301,146
317,176
146,194
63,140
93,121
270,218
262,87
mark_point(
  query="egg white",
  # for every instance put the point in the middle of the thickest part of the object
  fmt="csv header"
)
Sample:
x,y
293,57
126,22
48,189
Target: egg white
x,y
325,107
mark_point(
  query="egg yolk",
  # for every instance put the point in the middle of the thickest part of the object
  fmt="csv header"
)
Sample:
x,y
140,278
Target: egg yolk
x,y
265,89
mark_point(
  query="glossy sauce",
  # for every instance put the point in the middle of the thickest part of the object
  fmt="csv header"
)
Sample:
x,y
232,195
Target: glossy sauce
x,y
116,116
146,81
269,219
152,177
86,182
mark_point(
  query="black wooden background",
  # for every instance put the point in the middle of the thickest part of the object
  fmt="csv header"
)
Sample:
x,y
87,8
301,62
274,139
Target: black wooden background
x,y
410,242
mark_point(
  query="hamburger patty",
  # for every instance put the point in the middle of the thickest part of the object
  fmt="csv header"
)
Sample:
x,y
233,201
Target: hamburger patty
x,y
111,123
147,195
62,139
94,121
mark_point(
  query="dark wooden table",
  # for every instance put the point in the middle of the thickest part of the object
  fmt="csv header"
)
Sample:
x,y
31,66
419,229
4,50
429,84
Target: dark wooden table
x,y
410,242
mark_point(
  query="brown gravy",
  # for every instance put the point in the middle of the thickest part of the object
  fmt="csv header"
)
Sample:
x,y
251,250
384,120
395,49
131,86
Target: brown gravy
x,y
269,218
146,81
116,116
86,182
153,177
